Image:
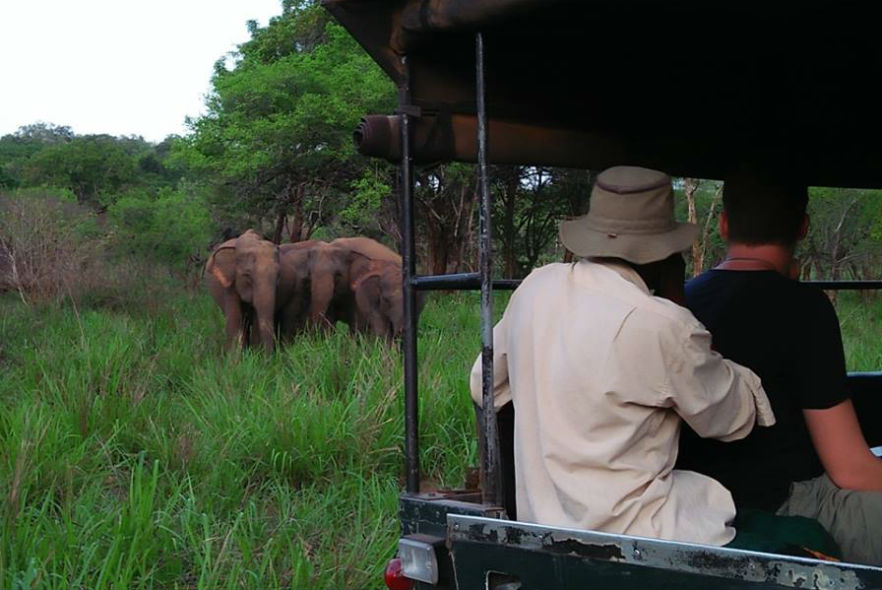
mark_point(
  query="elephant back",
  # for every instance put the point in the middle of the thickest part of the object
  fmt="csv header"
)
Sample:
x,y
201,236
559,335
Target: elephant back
x,y
368,248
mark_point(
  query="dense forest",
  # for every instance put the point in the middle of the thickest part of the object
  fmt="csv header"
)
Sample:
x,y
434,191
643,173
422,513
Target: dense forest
x,y
274,151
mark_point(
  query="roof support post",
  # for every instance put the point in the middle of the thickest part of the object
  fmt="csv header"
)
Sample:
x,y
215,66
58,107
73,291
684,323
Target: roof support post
x,y
408,256
491,492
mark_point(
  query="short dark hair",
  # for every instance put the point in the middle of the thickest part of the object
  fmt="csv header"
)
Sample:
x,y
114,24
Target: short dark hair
x,y
764,211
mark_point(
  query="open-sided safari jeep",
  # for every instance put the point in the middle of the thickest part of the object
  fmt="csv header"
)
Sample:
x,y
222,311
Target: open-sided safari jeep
x,y
685,87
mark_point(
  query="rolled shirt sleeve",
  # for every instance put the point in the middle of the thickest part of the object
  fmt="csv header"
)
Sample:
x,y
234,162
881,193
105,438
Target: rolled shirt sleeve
x,y
717,397
501,387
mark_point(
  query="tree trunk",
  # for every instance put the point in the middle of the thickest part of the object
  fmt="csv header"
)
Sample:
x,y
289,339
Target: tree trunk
x,y
296,232
509,234
280,224
690,186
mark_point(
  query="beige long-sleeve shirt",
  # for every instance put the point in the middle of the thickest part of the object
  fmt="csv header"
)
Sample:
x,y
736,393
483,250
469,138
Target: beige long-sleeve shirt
x,y
601,373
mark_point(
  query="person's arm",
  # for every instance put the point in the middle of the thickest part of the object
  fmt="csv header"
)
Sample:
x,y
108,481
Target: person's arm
x,y
823,392
841,446
501,389
669,363
717,397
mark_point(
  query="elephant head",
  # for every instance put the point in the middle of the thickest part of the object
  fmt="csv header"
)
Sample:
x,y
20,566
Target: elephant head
x,y
293,293
379,299
242,275
330,295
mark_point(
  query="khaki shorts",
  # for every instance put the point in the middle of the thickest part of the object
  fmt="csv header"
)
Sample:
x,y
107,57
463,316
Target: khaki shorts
x,y
854,518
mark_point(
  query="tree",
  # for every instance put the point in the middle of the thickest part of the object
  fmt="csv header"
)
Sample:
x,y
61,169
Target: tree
x,y
702,200
170,226
844,233
446,198
95,167
16,148
276,141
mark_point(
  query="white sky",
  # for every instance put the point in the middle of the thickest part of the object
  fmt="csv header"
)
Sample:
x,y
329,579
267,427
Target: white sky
x,y
116,66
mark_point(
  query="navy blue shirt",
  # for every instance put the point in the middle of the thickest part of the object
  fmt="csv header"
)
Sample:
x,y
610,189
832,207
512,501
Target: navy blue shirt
x,y
788,334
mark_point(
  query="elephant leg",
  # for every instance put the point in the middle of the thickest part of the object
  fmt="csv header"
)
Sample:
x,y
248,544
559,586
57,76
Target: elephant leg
x,y
249,336
367,303
234,318
264,333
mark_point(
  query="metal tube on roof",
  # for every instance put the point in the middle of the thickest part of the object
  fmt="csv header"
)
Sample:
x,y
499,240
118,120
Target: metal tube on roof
x,y
437,138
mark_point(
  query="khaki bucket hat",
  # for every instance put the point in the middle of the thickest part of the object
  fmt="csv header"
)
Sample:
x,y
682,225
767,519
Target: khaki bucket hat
x,y
631,217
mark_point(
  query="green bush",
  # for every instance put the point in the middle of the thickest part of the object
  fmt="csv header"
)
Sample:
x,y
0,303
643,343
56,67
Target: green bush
x,y
167,227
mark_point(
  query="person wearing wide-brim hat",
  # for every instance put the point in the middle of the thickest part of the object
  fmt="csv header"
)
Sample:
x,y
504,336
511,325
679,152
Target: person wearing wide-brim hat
x,y
631,217
601,371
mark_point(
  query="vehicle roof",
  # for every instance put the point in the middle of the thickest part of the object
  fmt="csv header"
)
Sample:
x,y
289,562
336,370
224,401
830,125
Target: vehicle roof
x,y
692,88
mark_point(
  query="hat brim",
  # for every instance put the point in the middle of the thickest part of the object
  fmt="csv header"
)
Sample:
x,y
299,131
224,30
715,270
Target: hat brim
x,y
639,248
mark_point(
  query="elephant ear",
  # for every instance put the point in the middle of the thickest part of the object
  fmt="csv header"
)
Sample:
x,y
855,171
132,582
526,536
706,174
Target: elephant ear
x,y
374,269
222,264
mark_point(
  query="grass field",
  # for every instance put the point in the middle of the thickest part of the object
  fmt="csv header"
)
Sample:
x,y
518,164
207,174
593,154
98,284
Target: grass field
x,y
134,453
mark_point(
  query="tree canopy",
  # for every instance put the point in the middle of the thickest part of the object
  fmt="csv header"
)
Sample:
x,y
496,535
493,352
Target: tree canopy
x,y
276,140
274,151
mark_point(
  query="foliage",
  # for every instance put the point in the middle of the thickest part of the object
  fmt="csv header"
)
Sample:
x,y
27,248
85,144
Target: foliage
x,y
16,148
135,454
276,140
94,167
169,227
844,234
47,241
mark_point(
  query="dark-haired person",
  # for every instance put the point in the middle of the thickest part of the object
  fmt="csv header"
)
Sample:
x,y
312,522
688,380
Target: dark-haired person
x,y
814,461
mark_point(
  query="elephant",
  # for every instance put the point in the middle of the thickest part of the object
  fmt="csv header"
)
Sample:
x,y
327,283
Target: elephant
x,y
368,248
242,276
379,300
334,267
330,294
293,291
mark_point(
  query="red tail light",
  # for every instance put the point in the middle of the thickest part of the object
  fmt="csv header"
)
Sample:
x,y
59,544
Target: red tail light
x,y
394,577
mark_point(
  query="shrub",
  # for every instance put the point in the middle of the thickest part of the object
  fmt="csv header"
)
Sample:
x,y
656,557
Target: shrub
x,y
47,242
170,227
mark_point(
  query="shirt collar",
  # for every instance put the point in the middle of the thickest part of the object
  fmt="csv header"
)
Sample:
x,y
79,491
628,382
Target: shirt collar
x,y
625,271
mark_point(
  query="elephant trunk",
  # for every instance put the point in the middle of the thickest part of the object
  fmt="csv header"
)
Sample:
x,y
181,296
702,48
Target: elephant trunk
x,y
321,294
265,308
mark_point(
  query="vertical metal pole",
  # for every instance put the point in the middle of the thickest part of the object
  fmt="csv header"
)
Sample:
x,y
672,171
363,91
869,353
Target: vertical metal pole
x,y
491,493
411,403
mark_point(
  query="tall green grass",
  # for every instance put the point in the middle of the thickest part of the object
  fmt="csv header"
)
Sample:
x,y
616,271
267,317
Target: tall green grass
x,y
135,453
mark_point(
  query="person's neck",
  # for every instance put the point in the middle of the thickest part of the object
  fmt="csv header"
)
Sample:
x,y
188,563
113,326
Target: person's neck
x,y
760,257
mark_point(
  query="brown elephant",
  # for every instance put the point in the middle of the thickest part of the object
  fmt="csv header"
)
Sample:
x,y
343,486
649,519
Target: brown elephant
x,y
242,276
379,300
368,248
334,267
330,294
293,292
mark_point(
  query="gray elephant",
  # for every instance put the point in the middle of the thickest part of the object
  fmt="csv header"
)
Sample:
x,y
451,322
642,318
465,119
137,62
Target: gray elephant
x,y
242,276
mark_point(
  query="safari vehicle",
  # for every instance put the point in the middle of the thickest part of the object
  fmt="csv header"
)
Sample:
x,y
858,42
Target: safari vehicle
x,y
685,87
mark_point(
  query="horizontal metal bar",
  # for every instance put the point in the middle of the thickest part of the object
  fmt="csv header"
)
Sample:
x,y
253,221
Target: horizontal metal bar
x,y
846,285
466,281
471,281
